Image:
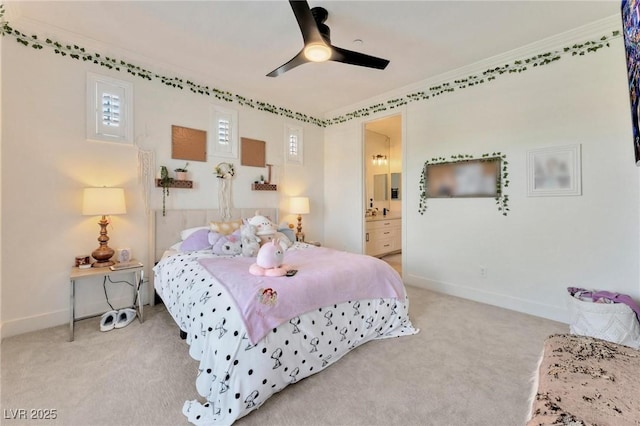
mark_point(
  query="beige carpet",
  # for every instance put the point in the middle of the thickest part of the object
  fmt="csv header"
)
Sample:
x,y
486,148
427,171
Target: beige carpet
x,y
470,365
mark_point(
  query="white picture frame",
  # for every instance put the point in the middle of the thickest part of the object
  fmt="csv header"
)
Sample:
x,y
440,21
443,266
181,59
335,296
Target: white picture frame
x,y
554,171
123,255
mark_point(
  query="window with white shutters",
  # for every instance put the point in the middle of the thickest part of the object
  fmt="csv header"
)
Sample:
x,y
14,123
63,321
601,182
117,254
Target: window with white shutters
x,y
109,109
223,134
224,131
293,144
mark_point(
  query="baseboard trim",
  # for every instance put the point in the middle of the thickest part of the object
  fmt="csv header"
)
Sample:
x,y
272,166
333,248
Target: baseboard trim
x,y
529,307
60,317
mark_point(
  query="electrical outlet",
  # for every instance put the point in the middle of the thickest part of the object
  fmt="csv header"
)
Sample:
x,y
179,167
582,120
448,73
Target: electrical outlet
x,y
483,272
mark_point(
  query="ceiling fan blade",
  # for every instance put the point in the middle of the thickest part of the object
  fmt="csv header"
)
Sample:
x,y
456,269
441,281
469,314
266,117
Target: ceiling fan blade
x,y
299,59
356,58
306,22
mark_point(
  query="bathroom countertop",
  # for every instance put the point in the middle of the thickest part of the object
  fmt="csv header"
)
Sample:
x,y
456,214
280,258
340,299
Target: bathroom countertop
x,y
380,216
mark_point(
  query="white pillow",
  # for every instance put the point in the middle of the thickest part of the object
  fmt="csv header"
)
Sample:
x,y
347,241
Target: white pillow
x,y
184,234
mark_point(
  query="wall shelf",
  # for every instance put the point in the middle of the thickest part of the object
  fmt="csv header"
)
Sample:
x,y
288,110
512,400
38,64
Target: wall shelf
x,y
176,184
264,187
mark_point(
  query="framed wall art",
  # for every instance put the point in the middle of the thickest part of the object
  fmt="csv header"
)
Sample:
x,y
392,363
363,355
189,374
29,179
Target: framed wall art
x,y
465,178
554,171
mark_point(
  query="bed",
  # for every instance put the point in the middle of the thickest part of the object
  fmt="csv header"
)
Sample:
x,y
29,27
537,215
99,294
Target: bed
x,y
251,347
583,380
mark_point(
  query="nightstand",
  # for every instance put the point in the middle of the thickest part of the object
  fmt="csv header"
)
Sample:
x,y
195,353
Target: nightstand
x,y
78,274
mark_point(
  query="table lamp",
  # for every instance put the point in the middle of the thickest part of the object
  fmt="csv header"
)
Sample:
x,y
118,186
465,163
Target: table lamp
x,y
103,202
299,206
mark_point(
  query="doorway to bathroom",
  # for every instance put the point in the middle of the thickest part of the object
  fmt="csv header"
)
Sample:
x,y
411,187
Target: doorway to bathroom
x,y
383,189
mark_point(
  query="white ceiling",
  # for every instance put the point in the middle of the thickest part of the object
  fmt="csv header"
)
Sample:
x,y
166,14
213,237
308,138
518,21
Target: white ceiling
x,y
232,45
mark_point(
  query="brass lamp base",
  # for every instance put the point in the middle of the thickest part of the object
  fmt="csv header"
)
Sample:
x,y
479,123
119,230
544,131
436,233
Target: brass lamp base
x,y
299,234
103,253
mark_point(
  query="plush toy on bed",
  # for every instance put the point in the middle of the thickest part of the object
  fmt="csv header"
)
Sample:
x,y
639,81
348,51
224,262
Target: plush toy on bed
x,y
269,262
226,245
250,241
268,231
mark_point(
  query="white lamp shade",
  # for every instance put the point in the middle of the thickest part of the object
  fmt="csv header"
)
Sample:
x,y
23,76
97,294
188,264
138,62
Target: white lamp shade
x,y
299,205
103,201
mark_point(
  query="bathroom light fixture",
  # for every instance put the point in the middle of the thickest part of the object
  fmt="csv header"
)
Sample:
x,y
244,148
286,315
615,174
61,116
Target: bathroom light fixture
x,y
103,202
379,160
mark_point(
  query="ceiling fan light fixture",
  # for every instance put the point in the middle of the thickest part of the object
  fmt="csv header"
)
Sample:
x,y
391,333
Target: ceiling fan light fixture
x,y
317,52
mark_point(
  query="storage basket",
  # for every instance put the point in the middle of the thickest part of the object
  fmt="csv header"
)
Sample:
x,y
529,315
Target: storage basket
x,y
615,322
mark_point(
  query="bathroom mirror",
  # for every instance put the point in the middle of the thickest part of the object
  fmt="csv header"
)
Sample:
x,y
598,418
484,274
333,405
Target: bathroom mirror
x,y
380,187
396,179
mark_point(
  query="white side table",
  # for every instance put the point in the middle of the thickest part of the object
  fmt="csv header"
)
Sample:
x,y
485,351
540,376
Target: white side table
x,y
80,274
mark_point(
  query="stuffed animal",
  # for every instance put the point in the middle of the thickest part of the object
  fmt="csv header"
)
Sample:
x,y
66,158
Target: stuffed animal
x,y
269,262
263,225
268,231
227,245
250,241
284,242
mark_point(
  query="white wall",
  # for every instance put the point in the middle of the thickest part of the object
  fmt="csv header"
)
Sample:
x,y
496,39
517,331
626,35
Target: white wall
x,y
344,188
46,161
546,243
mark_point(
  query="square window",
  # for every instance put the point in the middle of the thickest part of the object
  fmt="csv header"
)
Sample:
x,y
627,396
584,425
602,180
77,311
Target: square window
x,y
293,144
223,137
109,109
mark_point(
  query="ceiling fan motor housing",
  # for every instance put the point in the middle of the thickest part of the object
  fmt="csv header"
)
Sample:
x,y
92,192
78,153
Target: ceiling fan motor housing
x,y
320,15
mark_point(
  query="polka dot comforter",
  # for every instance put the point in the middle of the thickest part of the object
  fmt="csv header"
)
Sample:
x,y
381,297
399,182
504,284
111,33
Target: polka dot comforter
x,y
235,376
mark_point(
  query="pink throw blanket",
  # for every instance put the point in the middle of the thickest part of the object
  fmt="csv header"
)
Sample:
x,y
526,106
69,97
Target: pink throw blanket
x,y
325,277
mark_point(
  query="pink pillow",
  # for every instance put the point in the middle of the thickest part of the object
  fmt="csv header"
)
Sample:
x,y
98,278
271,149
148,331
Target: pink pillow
x,y
198,240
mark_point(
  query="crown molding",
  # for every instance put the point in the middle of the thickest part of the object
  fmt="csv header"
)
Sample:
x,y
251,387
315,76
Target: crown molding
x,y
556,42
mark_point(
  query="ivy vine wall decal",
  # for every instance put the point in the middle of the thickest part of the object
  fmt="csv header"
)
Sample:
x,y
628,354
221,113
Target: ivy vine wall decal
x,y
76,52
502,199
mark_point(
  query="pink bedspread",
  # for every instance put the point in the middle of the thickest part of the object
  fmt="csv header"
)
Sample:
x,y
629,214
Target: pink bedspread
x,y
325,277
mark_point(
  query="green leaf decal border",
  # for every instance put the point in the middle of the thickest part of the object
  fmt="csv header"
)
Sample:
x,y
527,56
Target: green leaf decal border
x,y
74,51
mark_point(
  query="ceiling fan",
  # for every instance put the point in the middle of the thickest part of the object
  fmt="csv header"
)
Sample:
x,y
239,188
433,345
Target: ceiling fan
x,y
317,42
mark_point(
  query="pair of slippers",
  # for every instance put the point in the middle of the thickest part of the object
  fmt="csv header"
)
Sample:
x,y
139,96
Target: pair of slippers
x,y
117,319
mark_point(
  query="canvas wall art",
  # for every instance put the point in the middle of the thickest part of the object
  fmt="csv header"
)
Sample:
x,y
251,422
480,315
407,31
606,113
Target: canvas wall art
x,y
631,32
